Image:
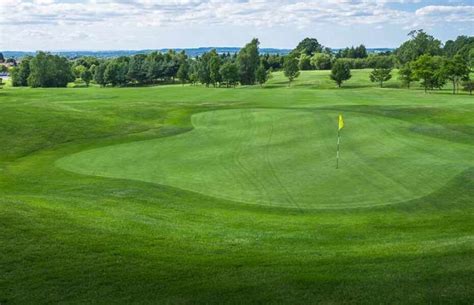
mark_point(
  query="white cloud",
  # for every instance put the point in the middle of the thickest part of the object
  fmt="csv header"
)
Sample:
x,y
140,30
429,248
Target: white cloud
x,y
462,13
54,16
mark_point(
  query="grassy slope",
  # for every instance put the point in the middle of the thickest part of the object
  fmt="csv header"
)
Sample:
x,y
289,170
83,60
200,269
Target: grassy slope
x,y
72,239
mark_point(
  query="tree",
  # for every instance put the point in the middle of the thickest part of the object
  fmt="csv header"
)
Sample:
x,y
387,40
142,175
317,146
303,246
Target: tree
x,y
340,72
248,61
183,72
137,71
420,43
426,68
460,46
21,73
2,59
455,70
171,65
308,46
290,68
381,75
214,68
305,62
78,70
439,80
274,61
116,72
468,85
470,59
193,72
99,74
47,70
230,74
406,75
262,74
204,72
357,52
321,61
86,76
360,52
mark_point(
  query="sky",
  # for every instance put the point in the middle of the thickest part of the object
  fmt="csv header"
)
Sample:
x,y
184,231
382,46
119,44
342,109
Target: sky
x,y
30,25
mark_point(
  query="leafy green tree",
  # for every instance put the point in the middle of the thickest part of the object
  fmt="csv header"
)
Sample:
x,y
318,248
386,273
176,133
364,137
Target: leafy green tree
x,y
248,61
308,46
440,79
194,72
468,86
360,52
230,74
183,72
214,68
406,75
116,73
2,59
340,72
381,75
274,61
155,71
357,52
86,76
290,68
92,69
78,70
470,59
420,43
461,46
427,68
137,71
262,74
204,72
321,61
455,70
48,70
305,62
99,74
171,64
154,67
21,73
86,61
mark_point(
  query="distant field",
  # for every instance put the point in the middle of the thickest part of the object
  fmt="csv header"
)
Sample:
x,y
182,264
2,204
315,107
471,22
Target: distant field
x,y
194,195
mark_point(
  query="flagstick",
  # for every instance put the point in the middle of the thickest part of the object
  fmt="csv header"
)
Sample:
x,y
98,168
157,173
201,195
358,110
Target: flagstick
x,y
338,141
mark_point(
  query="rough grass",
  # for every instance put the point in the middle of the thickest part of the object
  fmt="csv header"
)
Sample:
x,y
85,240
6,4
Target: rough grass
x,y
70,238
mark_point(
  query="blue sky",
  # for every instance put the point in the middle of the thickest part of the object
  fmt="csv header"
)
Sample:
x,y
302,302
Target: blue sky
x,y
150,24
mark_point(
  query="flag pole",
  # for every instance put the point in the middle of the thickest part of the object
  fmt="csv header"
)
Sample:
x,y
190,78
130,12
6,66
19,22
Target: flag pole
x,y
337,152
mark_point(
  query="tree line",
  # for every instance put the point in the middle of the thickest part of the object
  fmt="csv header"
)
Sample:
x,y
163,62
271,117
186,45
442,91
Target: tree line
x,y
247,67
421,58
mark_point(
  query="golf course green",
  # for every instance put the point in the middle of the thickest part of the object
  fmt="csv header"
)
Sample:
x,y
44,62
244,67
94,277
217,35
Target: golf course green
x,y
192,195
286,158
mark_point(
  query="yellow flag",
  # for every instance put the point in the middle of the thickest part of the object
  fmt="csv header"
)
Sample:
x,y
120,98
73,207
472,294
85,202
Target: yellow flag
x,y
341,122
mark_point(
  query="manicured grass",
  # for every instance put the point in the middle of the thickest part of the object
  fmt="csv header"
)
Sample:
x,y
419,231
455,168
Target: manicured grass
x,y
287,158
229,196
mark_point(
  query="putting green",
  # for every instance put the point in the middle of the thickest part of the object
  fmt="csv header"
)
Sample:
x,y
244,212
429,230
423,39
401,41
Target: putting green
x,y
286,158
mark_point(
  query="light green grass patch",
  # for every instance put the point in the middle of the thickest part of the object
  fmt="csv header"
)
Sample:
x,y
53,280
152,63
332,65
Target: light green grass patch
x,y
286,158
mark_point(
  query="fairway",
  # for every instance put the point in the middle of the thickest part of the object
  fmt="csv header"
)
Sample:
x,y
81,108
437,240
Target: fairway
x,y
193,195
286,158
